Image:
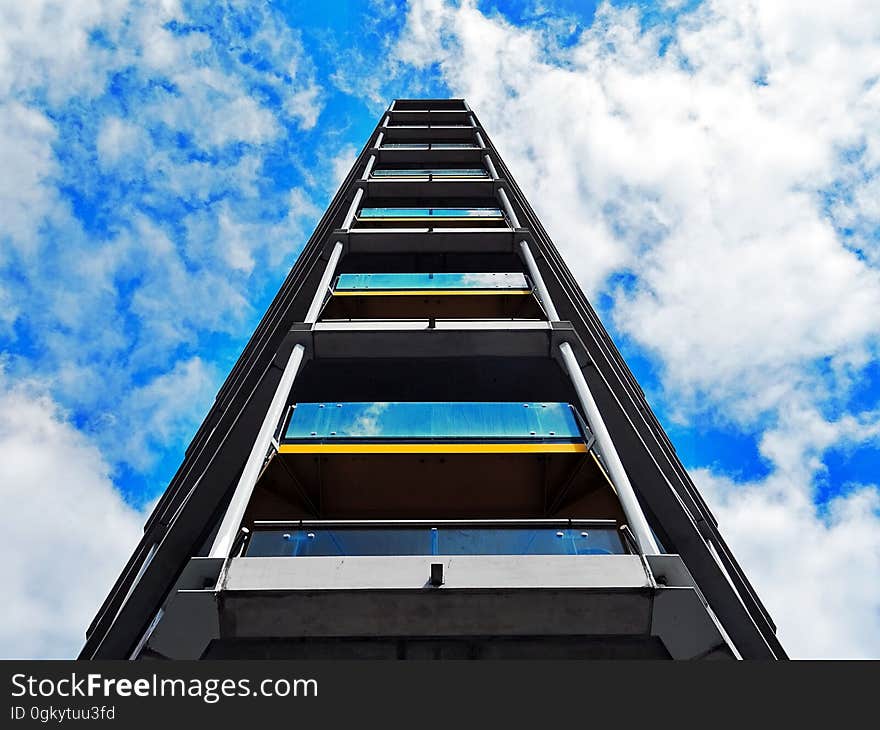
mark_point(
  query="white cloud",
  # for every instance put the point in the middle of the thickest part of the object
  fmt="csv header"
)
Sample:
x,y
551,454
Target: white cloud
x,y
189,236
66,528
154,414
214,107
118,139
27,164
817,572
816,568
45,44
342,162
711,174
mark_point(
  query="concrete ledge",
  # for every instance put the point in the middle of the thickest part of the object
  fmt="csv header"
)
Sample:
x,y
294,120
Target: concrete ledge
x,y
416,338
408,572
433,612
505,596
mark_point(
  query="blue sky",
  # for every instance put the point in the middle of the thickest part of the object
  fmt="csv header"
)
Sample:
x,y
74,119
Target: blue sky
x,y
709,170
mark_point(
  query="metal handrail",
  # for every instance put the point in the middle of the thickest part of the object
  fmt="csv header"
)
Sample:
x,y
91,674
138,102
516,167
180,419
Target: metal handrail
x,y
538,522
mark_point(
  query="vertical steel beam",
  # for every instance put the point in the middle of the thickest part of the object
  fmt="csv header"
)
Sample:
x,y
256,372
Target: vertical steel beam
x,y
502,196
490,167
369,168
324,285
538,281
349,217
379,139
610,458
480,141
244,489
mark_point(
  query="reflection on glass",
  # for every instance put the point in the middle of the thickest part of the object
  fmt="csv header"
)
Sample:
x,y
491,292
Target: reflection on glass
x,y
433,420
341,541
430,213
433,171
500,281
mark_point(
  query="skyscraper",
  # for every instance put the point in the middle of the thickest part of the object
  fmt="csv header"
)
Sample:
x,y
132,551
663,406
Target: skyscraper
x,y
430,447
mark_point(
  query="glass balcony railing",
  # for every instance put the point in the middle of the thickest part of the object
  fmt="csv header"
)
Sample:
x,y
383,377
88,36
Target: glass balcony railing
x,y
428,145
410,214
419,296
428,125
432,172
538,537
504,283
450,422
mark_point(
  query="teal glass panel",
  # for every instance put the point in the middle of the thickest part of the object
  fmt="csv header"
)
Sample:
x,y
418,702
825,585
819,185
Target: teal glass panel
x,y
430,213
394,213
466,212
405,145
343,541
502,281
433,420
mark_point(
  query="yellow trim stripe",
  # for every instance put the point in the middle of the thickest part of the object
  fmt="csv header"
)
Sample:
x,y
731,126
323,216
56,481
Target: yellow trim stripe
x,y
425,292
434,448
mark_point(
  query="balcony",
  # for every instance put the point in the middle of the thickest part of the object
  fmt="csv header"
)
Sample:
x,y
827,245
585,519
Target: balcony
x,y
440,217
441,295
433,460
458,152
429,173
443,537
424,146
439,131
431,183
433,105
432,117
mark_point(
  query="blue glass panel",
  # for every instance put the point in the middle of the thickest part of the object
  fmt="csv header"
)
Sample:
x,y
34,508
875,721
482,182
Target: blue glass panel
x,y
405,145
320,541
429,213
308,542
440,420
347,282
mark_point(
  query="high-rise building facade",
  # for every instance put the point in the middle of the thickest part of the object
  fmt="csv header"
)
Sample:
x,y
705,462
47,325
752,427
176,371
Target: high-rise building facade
x,y
430,448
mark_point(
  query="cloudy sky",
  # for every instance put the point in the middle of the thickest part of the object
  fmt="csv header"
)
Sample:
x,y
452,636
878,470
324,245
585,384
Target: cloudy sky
x,y
710,170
